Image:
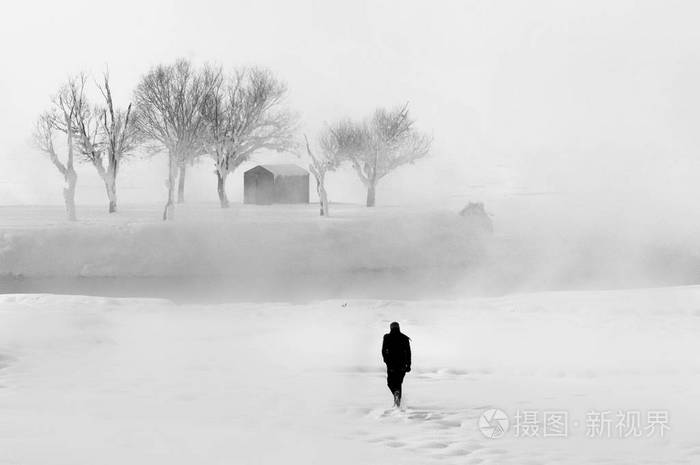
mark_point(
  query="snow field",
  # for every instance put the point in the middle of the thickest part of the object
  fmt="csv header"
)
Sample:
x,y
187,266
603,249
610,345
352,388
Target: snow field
x,y
88,380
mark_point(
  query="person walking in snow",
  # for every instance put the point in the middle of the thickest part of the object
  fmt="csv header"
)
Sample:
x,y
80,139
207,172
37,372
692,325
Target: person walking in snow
x,y
396,352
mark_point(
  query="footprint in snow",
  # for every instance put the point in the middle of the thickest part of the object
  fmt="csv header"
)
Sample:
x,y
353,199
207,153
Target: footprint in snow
x,y
461,452
447,424
435,445
382,438
395,444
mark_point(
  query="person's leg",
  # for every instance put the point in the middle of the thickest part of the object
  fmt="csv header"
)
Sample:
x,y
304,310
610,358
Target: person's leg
x,y
391,380
399,381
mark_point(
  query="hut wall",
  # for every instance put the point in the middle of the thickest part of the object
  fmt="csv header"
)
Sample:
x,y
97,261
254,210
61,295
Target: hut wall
x,y
292,189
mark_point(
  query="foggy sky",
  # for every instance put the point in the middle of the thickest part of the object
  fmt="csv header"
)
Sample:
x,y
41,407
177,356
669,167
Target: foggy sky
x,y
597,99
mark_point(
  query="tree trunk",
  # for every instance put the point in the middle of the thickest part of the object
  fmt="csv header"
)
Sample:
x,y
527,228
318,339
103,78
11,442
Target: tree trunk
x,y
322,196
112,171
370,195
69,193
324,203
110,179
169,211
111,186
221,188
70,176
181,184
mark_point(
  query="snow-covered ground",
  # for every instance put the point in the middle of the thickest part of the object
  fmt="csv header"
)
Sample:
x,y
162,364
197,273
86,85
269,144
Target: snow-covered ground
x,y
206,240
260,342
87,380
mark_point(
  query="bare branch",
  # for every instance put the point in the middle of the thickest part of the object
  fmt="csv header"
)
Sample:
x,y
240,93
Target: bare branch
x,y
244,115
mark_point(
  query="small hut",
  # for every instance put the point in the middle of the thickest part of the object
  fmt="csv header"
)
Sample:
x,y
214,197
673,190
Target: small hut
x,y
268,184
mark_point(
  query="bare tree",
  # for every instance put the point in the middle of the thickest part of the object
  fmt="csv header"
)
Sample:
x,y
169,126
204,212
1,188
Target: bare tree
x,y
105,135
335,142
246,114
321,163
170,100
120,137
59,119
389,140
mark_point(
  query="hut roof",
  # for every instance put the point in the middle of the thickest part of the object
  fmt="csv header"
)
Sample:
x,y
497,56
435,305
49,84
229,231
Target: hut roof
x,y
284,170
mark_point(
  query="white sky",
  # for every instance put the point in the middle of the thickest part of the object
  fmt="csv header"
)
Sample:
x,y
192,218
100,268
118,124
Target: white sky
x,y
595,97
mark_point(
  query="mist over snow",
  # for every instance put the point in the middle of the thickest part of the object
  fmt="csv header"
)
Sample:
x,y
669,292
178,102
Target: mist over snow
x,y
278,252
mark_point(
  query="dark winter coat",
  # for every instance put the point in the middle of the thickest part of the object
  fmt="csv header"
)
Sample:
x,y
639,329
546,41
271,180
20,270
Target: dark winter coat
x,y
396,351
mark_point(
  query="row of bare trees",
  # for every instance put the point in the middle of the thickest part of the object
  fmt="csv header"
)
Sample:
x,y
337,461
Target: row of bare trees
x,y
188,112
101,135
